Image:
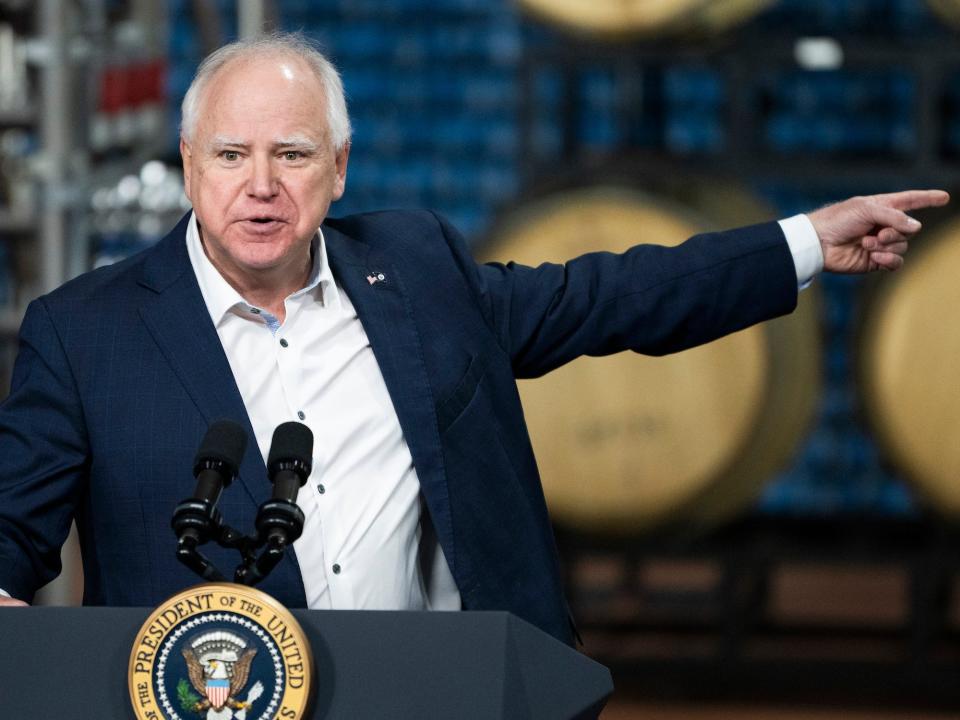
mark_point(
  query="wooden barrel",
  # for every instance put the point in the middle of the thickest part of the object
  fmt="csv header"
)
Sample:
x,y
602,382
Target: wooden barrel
x,y
947,10
909,355
627,443
623,18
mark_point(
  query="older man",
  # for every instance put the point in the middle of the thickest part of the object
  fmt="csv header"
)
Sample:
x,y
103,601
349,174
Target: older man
x,y
379,332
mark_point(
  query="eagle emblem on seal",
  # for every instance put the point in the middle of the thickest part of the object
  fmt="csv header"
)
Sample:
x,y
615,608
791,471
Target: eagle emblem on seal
x,y
218,664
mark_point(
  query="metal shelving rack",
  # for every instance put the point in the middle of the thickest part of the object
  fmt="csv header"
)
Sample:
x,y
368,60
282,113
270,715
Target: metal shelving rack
x,y
56,53
718,640
748,64
67,47
718,627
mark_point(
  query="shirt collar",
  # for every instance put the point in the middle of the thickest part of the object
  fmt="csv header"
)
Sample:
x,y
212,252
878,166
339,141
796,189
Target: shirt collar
x,y
220,296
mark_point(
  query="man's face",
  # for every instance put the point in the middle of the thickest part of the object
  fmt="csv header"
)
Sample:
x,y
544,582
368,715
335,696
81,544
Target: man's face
x,y
260,169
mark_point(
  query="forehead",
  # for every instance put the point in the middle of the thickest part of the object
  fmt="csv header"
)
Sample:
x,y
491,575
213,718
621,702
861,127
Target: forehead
x,y
272,94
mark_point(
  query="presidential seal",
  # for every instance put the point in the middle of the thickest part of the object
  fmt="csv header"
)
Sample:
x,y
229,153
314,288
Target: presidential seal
x,y
220,652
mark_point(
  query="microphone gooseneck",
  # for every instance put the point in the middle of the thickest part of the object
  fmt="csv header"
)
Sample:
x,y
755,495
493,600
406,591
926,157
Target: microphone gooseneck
x,y
218,460
290,460
288,466
196,519
279,519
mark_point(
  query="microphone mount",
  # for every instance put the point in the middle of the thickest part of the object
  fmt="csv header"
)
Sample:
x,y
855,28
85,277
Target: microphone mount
x,y
279,522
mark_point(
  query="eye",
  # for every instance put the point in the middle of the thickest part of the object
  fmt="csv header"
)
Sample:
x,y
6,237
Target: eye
x,y
230,155
292,155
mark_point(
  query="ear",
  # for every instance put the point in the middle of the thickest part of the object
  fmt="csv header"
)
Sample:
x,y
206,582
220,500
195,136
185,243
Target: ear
x,y
187,157
340,184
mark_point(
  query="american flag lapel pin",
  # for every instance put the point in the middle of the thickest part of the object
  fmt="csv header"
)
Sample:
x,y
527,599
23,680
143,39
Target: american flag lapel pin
x,y
375,277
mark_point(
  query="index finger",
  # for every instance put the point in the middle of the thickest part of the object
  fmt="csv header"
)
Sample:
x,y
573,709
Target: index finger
x,y
913,199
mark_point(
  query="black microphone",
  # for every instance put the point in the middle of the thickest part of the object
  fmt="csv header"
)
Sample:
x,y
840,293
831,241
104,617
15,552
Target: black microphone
x,y
218,459
290,460
215,466
279,520
288,466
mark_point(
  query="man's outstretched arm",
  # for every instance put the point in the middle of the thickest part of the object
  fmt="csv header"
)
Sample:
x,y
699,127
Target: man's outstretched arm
x,y
657,300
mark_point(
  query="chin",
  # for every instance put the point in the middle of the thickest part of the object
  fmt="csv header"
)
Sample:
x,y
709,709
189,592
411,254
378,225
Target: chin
x,y
262,260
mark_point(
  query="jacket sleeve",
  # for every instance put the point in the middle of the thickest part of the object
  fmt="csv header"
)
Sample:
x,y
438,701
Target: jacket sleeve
x,y
43,458
651,299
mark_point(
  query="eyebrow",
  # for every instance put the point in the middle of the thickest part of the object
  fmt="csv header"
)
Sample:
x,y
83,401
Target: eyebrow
x,y
222,141
301,142
297,141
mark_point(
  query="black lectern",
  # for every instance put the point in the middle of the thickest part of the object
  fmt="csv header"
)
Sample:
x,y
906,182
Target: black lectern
x,y
71,663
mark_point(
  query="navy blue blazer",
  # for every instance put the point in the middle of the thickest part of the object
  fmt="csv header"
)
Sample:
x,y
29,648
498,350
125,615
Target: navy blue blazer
x,y
120,371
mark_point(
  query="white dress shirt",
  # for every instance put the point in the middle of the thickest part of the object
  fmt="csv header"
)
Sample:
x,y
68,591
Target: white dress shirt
x,y
360,547
367,541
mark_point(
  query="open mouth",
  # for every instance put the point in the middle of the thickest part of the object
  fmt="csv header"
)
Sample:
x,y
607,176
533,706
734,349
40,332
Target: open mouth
x,y
262,224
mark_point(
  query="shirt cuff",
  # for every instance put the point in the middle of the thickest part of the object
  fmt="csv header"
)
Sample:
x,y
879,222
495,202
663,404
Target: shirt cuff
x,y
804,246
4,593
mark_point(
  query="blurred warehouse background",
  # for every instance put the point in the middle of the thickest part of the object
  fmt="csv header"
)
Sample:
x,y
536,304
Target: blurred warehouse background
x,y
764,524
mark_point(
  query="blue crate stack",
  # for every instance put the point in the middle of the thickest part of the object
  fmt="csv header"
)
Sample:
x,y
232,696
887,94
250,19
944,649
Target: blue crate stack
x,y
434,93
695,102
845,113
859,114
881,18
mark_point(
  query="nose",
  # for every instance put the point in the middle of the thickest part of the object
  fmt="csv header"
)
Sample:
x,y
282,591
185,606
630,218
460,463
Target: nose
x,y
262,182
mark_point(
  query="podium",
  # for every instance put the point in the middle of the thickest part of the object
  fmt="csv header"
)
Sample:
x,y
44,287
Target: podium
x,y
72,663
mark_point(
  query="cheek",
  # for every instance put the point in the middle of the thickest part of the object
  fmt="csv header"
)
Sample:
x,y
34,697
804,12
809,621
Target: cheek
x,y
213,195
313,198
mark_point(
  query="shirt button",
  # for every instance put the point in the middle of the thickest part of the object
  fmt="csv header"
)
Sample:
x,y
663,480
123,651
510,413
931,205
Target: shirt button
x,y
283,342
336,568
301,414
321,489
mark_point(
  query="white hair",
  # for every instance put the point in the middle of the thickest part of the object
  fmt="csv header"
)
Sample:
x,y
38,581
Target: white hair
x,y
283,44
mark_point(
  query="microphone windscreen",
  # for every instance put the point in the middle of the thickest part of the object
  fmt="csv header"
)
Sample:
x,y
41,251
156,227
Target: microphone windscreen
x,y
225,441
291,441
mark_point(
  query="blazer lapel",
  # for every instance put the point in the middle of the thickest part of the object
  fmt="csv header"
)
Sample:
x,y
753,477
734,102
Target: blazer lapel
x,y
177,318
376,291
